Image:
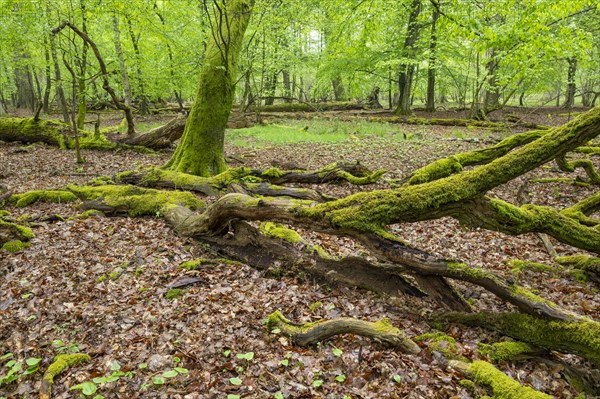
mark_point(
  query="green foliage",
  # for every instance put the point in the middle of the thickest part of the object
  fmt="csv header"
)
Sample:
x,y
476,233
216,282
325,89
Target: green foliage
x,y
174,293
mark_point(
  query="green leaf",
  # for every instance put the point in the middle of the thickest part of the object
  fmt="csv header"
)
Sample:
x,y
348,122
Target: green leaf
x,y
142,365
98,397
181,370
317,383
275,330
232,396
227,352
6,356
170,374
89,388
115,366
397,378
235,381
248,356
278,395
157,380
337,352
33,361
340,378
284,362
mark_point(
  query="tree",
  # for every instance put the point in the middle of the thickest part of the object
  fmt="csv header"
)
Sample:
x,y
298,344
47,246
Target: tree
x,y
200,151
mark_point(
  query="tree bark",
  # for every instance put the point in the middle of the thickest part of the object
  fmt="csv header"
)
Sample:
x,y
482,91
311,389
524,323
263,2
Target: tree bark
x,y
571,86
430,107
200,151
407,70
105,85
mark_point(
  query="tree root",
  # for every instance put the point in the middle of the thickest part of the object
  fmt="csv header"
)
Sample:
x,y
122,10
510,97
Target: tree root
x,y
502,386
580,337
310,333
61,363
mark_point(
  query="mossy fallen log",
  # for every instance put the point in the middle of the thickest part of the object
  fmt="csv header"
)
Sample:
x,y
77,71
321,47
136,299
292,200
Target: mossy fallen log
x,y
60,364
588,265
577,337
13,236
501,385
310,333
455,163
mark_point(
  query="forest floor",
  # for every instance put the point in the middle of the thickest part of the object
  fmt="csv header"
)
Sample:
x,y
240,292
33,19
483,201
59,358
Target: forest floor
x,y
98,285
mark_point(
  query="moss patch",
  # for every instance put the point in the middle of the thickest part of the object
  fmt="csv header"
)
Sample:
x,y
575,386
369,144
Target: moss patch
x,y
174,293
55,196
440,342
276,230
137,201
504,351
15,246
503,387
578,337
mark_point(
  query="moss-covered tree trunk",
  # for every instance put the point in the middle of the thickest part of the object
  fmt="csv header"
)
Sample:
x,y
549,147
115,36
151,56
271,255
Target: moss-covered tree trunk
x,y
200,151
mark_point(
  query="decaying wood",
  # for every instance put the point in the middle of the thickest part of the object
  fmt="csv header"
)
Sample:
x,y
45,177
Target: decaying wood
x,y
310,333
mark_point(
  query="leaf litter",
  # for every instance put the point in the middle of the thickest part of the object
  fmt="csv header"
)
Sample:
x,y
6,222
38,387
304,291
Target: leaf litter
x,y
99,286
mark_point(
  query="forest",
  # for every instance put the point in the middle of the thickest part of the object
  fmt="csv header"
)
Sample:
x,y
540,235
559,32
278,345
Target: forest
x,y
299,199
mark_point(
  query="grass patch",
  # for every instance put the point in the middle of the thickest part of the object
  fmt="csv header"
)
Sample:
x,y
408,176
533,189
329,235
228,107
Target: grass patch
x,y
311,131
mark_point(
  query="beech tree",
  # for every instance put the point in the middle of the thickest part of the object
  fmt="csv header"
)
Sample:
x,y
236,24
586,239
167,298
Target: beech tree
x,y
200,151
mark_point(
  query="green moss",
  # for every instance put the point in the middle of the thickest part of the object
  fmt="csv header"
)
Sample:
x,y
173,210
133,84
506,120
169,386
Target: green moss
x,y
4,212
137,201
276,230
436,170
114,275
469,386
230,176
440,342
272,172
15,246
102,278
503,387
30,197
61,363
174,293
89,213
581,262
520,265
192,264
505,351
578,337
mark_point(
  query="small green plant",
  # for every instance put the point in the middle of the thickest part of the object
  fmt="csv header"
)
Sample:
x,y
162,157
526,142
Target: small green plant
x,y
317,383
15,368
337,352
61,347
235,381
340,378
174,293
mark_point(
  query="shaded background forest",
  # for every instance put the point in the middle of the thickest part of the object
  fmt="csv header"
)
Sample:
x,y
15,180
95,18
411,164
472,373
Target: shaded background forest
x,y
478,55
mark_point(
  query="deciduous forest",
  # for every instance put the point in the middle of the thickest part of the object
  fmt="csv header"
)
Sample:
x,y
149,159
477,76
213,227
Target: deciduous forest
x,y
299,199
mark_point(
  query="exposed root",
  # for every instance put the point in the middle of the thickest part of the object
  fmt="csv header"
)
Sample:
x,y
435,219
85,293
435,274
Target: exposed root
x,y
61,363
310,333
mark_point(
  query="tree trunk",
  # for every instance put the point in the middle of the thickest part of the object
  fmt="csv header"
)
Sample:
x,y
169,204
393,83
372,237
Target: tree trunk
x,y
338,88
491,97
105,83
138,64
571,87
287,86
408,69
200,151
121,58
430,107
82,60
